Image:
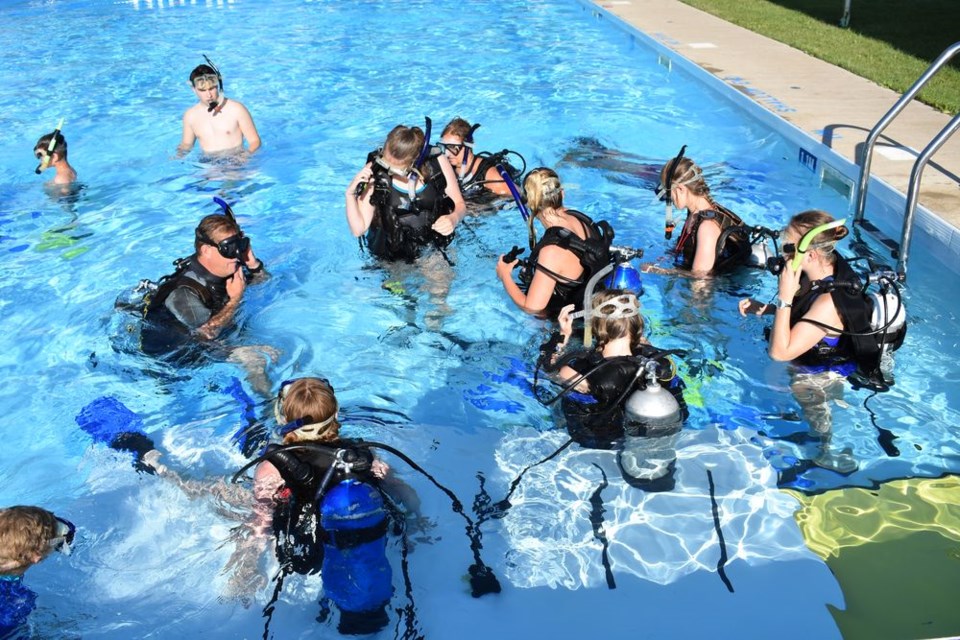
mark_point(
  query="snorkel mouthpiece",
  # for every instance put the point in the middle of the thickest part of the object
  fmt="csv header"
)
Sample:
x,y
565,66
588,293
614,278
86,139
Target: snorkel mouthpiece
x,y
808,238
48,157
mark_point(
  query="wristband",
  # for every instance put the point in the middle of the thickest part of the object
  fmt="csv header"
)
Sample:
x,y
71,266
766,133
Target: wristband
x,y
258,269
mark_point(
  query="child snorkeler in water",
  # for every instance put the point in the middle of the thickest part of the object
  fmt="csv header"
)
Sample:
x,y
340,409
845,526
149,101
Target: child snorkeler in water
x,y
27,536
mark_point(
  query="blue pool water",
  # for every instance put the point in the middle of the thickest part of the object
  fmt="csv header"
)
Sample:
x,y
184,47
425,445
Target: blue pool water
x,y
441,370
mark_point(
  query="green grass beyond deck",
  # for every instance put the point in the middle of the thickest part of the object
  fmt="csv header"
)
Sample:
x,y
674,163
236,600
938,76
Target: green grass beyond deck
x,y
891,42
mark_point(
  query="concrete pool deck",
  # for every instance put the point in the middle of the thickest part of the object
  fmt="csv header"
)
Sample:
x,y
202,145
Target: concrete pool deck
x,y
830,104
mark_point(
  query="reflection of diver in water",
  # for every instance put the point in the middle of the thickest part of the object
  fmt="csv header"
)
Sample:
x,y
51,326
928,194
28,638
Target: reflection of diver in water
x,y
624,393
618,166
828,327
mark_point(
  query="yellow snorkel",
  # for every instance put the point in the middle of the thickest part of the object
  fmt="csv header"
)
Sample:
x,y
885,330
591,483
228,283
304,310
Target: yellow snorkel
x,y
807,239
45,161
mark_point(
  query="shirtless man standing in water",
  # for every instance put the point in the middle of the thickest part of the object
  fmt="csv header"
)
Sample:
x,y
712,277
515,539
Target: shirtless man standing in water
x,y
220,123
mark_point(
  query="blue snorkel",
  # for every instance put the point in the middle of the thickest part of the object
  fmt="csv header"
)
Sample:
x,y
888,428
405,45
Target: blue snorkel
x,y
426,143
227,210
519,200
514,192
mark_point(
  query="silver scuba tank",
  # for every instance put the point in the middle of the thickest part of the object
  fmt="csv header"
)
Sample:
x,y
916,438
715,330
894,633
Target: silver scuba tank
x,y
651,425
887,306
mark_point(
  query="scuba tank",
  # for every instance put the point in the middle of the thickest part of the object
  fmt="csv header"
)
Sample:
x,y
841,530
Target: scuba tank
x,y
625,276
652,423
356,573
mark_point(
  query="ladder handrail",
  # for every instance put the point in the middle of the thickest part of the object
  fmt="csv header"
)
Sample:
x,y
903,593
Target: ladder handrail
x,y
913,192
894,111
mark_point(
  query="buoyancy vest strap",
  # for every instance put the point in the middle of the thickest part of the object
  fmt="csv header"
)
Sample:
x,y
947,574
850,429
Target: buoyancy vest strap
x,y
350,538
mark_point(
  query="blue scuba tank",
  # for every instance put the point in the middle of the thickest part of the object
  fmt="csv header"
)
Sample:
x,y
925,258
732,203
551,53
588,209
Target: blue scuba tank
x,y
356,574
625,277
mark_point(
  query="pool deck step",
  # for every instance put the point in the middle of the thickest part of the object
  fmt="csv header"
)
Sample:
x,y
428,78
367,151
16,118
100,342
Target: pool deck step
x,y
830,104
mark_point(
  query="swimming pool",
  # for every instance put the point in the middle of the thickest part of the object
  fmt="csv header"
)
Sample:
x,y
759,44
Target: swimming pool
x,y
441,369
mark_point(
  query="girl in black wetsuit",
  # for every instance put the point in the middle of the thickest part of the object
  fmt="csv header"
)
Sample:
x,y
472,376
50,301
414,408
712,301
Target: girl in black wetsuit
x,y
559,276
820,358
682,186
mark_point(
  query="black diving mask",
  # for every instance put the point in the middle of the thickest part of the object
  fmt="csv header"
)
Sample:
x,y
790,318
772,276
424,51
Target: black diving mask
x,y
453,148
233,247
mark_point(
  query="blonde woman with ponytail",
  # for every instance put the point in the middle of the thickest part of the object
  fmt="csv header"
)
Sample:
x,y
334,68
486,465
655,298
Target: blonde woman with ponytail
x,y
556,274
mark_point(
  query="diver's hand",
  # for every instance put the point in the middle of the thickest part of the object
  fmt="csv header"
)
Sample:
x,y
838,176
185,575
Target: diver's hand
x,y
365,175
566,322
379,469
505,269
236,284
749,305
250,260
445,225
789,282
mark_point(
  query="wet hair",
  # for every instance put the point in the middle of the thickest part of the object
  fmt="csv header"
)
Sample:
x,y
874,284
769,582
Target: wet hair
x,y
214,224
59,147
542,188
457,127
608,329
25,534
825,241
311,399
404,144
202,70
687,173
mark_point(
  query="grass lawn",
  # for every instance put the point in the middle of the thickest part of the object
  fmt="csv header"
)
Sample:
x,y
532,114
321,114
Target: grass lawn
x,y
891,42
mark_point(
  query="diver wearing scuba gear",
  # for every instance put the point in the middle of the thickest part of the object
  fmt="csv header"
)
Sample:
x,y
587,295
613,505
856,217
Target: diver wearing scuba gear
x,y
321,496
200,298
611,371
27,536
697,250
410,198
810,322
572,248
476,171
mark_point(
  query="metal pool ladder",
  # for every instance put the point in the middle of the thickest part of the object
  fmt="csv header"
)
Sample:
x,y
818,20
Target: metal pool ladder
x,y
918,167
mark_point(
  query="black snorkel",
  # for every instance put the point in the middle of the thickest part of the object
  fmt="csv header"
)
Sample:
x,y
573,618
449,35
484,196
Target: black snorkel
x,y
216,106
468,144
48,158
663,193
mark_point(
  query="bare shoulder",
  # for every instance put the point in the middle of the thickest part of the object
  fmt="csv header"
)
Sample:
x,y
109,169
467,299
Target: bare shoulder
x,y
191,114
236,107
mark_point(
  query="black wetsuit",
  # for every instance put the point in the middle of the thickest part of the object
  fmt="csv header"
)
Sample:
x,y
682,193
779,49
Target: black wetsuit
x,y
843,354
596,419
593,252
735,250
183,302
296,521
401,225
473,186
